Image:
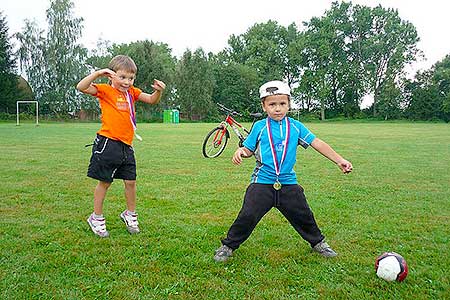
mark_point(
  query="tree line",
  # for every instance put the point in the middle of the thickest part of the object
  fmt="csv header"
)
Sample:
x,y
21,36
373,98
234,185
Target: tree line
x,y
331,64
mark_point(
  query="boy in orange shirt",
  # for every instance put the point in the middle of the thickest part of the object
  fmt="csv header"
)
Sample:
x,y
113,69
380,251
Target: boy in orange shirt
x,y
112,153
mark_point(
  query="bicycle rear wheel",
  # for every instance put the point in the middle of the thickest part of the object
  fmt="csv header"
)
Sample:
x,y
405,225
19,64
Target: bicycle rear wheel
x,y
215,142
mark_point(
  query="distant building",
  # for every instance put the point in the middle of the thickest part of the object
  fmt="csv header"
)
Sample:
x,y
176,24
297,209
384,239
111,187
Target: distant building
x,y
25,91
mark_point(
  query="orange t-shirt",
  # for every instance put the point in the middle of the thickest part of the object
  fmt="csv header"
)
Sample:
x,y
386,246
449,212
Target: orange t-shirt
x,y
116,122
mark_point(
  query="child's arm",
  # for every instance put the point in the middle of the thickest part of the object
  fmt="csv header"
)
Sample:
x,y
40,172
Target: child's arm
x,y
153,98
85,85
326,150
239,154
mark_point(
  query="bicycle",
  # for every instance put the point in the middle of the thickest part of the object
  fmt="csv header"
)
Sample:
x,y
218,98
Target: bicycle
x,y
217,139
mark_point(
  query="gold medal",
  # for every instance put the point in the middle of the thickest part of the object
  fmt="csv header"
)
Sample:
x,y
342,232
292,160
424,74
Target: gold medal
x,y
277,185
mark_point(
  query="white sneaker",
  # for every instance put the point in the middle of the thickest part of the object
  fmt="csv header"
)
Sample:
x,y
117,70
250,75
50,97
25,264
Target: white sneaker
x,y
98,226
130,221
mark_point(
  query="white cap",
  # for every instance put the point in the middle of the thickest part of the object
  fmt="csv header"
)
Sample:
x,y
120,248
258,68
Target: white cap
x,y
275,87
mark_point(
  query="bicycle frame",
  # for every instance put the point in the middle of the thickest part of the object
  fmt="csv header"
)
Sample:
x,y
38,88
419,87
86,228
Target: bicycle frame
x,y
238,128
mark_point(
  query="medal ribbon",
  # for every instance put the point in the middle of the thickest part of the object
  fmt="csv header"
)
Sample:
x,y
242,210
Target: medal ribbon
x,y
132,114
272,146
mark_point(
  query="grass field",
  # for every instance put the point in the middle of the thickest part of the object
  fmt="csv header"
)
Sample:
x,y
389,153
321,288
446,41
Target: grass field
x,y
397,199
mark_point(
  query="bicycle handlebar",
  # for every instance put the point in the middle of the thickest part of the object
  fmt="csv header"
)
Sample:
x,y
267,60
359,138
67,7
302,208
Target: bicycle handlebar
x,y
228,111
235,113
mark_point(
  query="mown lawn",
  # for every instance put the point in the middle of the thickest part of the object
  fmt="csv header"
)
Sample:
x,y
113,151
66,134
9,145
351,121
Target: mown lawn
x,y
397,199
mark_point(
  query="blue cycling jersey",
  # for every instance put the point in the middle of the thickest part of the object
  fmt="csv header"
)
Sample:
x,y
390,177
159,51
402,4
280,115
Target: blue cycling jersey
x,y
258,142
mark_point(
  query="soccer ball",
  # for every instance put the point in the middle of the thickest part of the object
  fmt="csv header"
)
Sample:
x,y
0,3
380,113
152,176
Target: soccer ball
x,y
391,266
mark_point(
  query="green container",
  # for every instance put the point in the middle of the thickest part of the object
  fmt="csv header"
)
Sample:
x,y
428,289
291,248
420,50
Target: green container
x,y
167,116
175,116
171,116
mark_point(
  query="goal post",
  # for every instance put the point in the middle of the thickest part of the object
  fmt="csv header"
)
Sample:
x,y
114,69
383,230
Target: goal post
x,y
27,101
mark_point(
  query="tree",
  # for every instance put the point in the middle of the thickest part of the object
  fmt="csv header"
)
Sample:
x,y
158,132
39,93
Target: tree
x,y
423,97
194,82
428,94
8,79
236,87
384,44
441,78
355,50
264,47
101,55
328,60
53,64
305,95
31,56
389,102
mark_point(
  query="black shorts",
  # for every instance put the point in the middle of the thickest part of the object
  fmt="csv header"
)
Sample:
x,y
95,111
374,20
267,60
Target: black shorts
x,y
111,159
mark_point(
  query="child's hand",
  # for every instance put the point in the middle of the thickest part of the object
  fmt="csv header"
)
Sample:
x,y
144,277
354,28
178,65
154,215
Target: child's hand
x,y
106,73
345,166
237,156
158,85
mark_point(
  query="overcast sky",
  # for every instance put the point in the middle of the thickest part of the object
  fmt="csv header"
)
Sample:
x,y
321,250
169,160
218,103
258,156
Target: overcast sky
x,y
208,24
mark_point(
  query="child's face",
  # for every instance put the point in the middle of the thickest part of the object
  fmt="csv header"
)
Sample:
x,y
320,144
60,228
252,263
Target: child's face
x,y
276,106
123,80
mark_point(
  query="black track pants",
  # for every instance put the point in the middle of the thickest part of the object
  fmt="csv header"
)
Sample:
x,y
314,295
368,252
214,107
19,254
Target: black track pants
x,y
259,199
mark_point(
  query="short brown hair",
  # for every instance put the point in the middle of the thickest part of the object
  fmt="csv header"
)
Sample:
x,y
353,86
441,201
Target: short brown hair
x,y
122,62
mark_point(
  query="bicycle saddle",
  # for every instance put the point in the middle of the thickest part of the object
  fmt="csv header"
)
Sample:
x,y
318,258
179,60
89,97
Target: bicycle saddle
x,y
256,115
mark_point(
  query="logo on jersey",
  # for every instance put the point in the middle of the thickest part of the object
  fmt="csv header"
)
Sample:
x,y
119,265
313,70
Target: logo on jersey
x,y
279,147
122,103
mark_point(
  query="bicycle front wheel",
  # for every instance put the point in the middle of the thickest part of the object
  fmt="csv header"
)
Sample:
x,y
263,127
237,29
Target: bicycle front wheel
x,y
215,142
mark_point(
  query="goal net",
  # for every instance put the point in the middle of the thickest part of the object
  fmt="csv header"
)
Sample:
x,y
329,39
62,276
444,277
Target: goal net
x,y
27,102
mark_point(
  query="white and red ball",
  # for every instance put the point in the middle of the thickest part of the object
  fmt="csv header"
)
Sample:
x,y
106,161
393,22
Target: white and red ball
x,y
391,266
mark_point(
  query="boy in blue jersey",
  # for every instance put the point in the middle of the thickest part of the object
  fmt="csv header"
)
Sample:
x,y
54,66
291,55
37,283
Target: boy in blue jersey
x,y
274,142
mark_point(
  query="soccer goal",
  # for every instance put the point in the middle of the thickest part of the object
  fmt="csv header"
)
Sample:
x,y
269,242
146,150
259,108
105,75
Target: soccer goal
x,y
27,102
